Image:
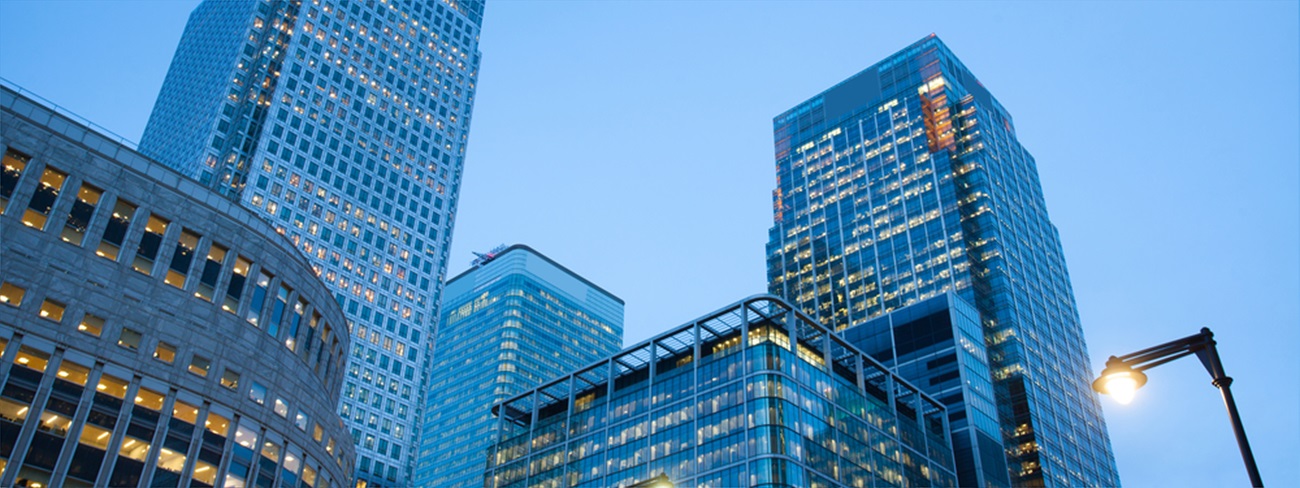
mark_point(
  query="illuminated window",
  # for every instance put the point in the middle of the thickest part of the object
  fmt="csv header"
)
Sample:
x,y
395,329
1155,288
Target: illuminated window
x,y
235,290
112,386
149,399
230,379
73,373
115,230
52,310
300,421
94,436
150,242
257,393
129,339
82,210
199,365
211,270
11,294
32,359
165,352
47,191
217,424
182,258
14,164
281,408
91,324
184,411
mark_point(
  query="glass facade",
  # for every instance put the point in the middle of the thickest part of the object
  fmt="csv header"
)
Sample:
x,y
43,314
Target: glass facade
x,y
906,182
343,123
508,324
937,344
755,394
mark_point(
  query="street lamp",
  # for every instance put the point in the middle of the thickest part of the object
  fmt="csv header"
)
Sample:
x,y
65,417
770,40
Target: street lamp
x,y
1124,375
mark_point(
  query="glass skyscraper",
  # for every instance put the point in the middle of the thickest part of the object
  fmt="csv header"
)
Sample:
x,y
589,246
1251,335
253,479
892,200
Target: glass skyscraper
x,y
905,182
514,320
343,123
755,394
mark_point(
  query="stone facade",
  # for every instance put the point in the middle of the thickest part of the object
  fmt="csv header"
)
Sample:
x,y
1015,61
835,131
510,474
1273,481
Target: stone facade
x,y
175,305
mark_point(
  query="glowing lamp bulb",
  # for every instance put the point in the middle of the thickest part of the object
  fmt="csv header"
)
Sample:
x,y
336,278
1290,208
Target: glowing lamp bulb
x,y
1120,381
1122,387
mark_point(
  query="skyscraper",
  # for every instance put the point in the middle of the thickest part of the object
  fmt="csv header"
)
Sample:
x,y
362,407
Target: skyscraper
x,y
512,321
344,124
906,181
754,394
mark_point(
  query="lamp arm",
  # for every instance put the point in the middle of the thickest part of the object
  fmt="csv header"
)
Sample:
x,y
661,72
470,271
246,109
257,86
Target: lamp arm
x,y
1162,360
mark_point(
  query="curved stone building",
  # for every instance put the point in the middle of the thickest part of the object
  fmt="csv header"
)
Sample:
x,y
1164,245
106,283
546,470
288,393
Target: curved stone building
x,y
152,332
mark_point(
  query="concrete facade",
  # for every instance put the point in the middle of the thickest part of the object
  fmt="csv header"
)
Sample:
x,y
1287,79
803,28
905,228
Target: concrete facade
x,y
181,312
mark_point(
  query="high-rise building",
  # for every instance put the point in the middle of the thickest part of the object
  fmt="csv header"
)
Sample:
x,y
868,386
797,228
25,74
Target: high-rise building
x,y
937,344
343,123
512,321
754,394
153,333
906,181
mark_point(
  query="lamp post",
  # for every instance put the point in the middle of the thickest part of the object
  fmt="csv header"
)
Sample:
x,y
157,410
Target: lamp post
x,y
1124,375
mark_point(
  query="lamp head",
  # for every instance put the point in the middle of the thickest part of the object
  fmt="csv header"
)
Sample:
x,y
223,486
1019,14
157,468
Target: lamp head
x,y
1119,380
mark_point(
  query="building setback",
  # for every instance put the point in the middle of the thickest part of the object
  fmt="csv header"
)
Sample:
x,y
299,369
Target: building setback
x,y
514,320
937,344
153,333
343,123
905,182
754,394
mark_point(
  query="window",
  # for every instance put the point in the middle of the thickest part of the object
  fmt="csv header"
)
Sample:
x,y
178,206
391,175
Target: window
x,y
149,399
235,290
165,352
150,242
182,258
91,324
259,297
129,339
79,218
115,230
230,379
110,385
257,393
317,432
211,269
11,294
301,421
47,191
52,310
31,358
281,408
199,365
14,163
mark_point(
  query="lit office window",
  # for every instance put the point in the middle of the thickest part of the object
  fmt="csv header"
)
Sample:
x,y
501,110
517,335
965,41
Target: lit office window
x,y
211,270
150,242
182,258
14,164
47,191
115,231
11,294
91,324
52,310
82,210
165,352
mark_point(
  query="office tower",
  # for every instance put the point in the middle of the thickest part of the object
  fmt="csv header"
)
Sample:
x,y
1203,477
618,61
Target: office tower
x,y
938,345
153,333
754,394
344,124
906,181
513,320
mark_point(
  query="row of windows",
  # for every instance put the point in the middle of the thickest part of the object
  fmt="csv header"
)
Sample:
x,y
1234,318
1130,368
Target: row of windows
x,y
141,434
87,209
164,352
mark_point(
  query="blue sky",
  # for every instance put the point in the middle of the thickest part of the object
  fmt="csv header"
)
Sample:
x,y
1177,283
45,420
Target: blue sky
x,y
631,141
